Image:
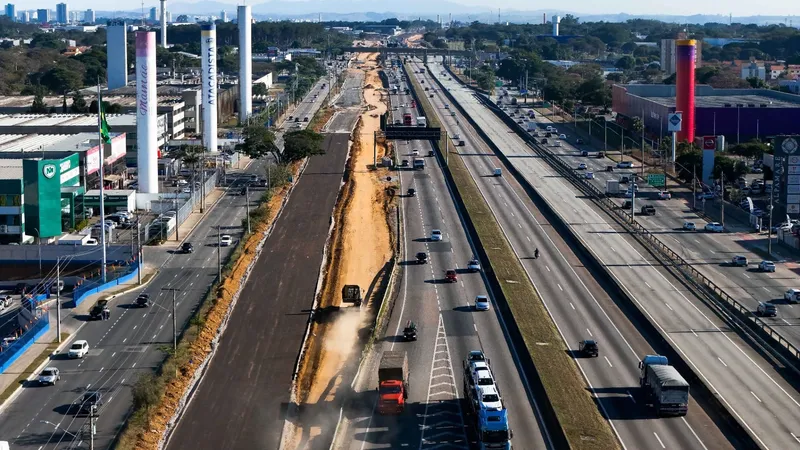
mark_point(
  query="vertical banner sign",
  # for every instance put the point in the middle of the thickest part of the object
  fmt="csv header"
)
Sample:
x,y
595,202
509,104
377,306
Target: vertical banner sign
x,y
709,142
786,172
208,47
674,121
146,142
245,64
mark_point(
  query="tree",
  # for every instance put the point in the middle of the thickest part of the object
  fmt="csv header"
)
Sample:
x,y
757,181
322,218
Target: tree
x,y
260,89
259,142
627,62
62,80
301,144
38,106
756,83
688,162
629,47
191,155
78,103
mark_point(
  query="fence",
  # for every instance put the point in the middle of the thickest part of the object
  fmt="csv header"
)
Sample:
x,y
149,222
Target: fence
x,y
187,204
87,289
35,327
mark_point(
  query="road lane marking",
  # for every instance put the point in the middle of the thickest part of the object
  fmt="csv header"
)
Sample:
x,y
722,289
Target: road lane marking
x,y
609,362
630,396
795,437
754,395
590,333
765,288
570,304
528,238
723,362
659,439
559,286
547,267
670,307
746,275
648,285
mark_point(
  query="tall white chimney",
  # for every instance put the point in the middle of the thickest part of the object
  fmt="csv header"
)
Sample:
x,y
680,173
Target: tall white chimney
x,y
208,50
556,19
164,23
245,64
146,129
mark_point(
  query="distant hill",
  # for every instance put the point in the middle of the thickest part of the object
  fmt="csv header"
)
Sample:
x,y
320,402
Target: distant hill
x,y
368,10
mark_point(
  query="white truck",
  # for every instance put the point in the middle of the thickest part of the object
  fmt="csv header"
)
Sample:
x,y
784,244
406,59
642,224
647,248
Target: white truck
x,y
422,121
663,387
531,125
612,187
74,239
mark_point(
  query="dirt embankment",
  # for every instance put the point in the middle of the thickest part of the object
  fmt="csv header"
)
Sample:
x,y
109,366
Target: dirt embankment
x,y
358,251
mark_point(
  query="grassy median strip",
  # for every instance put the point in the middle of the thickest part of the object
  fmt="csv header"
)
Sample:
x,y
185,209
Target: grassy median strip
x,y
576,411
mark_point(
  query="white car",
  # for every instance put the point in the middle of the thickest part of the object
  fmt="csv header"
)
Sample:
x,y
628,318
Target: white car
x,y
91,241
436,235
624,165
49,376
474,265
182,182
225,240
689,226
664,195
581,166
482,303
714,227
589,175
78,349
562,136
415,153
792,295
766,266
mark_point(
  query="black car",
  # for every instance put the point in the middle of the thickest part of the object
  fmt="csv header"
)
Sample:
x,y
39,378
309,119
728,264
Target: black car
x,y
187,247
422,258
143,300
96,312
588,347
412,192
579,141
410,331
90,399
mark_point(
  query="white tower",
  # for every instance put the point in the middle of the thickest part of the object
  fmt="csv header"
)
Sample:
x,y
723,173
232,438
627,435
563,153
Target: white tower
x,y
164,23
208,50
117,64
245,64
556,20
146,129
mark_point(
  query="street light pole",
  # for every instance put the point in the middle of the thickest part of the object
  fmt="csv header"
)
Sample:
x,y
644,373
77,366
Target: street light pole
x,y
769,230
58,298
219,254
247,205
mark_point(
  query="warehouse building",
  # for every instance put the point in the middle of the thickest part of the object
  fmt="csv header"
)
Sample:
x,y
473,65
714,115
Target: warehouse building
x,y
738,114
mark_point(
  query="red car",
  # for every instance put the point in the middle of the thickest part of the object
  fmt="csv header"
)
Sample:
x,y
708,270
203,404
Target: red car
x,y
450,276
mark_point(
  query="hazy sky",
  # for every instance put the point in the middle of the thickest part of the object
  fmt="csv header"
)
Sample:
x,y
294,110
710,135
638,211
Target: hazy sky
x,y
683,7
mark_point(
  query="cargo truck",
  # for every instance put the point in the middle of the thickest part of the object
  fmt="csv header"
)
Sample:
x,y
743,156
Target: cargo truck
x,y
393,382
422,122
351,293
612,187
663,387
489,414
531,126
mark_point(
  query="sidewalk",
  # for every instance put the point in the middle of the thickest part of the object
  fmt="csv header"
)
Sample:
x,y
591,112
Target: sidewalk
x,y
193,220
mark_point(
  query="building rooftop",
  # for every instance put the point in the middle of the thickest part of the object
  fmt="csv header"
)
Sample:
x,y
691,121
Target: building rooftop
x,y
34,145
124,96
40,120
731,101
11,169
96,192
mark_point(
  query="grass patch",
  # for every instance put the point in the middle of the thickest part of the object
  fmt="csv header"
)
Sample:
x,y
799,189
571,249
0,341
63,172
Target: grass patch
x,y
45,354
582,423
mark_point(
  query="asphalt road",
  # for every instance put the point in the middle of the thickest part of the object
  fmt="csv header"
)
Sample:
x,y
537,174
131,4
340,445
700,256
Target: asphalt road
x,y
589,312
123,347
347,104
448,328
719,356
710,253
241,400
128,344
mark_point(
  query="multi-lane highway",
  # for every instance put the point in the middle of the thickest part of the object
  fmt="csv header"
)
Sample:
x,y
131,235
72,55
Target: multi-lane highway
x,y
746,384
580,306
132,342
710,253
448,328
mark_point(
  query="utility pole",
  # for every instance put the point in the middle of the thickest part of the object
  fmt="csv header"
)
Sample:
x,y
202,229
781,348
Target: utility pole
x,y
219,254
722,199
177,238
605,135
769,230
92,425
694,187
139,249
58,298
174,320
247,205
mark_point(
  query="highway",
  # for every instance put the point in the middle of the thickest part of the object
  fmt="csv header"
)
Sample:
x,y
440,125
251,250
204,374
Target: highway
x,y
448,328
588,313
132,342
727,364
710,253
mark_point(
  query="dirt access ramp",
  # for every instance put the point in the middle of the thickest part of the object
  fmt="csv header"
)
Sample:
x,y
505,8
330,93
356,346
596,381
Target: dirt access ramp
x,y
360,249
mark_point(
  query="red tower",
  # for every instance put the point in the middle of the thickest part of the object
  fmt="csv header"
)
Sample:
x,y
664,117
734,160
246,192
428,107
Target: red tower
x,y
685,55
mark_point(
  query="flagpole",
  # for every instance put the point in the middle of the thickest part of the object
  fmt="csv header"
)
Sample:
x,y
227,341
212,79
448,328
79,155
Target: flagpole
x,y
102,180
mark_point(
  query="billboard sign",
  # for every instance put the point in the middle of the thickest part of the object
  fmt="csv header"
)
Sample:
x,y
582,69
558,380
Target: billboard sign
x,y
785,169
674,121
709,142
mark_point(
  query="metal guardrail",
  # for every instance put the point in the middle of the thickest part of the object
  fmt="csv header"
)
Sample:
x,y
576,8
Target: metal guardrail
x,y
741,313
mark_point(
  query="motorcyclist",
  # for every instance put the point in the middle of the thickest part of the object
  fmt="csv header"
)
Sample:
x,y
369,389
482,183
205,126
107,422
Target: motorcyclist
x,y
536,253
